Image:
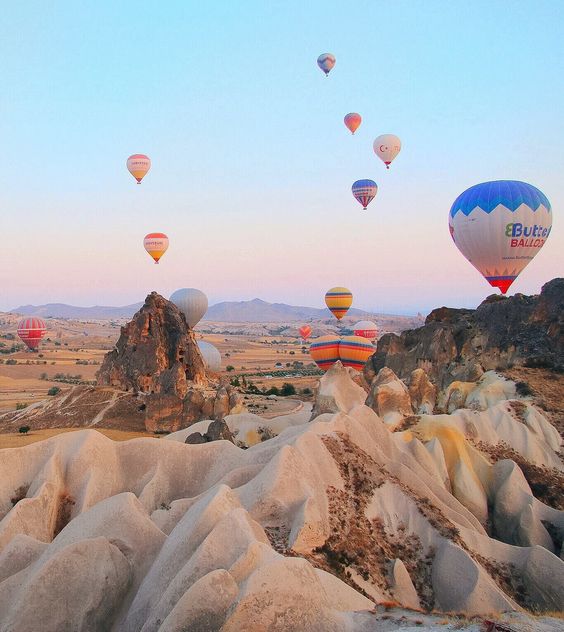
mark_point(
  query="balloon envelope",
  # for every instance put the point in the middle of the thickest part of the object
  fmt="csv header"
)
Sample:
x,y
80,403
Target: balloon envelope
x,y
210,355
325,351
192,303
338,300
305,332
387,147
326,61
365,329
354,351
31,331
138,165
364,191
156,244
499,227
353,121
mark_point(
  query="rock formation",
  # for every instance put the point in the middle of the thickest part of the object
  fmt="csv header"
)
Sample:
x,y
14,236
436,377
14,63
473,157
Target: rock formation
x,y
459,344
306,530
156,352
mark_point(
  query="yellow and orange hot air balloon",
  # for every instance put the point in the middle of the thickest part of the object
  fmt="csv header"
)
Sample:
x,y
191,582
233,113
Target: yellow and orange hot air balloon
x,y
305,332
325,351
138,165
338,300
156,244
354,351
353,121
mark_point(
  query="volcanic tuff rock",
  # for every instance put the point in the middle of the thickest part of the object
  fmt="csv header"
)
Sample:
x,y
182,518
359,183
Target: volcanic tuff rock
x,y
156,352
459,344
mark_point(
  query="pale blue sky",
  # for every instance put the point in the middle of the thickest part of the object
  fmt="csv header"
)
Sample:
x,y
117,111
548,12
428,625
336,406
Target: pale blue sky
x,y
252,165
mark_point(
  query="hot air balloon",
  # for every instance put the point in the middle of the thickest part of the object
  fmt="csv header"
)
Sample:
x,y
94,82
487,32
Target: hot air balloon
x,y
387,147
192,303
138,166
156,244
353,121
354,351
326,61
210,355
365,329
364,191
305,332
325,351
499,227
338,300
30,331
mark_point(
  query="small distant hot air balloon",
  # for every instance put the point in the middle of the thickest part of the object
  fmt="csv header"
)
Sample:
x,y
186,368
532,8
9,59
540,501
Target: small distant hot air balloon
x,y
138,166
31,331
365,329
325,351
354,351
210,355
326,61
156,244
192,303
353,121
338,300
305,332
387,147
499,227
364,191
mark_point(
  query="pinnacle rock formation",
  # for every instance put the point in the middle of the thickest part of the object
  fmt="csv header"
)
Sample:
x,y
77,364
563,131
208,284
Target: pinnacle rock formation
x,y
460,344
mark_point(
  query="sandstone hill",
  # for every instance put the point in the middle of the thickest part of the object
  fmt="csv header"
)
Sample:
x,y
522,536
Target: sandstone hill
x,y
460,344
334,524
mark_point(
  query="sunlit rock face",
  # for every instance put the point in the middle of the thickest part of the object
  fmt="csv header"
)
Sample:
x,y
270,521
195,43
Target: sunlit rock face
x,y
459,344
311,526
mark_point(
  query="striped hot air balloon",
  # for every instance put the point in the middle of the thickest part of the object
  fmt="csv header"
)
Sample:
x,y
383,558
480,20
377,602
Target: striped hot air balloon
x,y
325,351
353,121
365,329
364,191
305,332
31,330
354,351
156,244
338,300
326,61
138,165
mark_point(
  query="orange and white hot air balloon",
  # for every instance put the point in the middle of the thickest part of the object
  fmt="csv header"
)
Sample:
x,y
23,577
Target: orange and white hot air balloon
x,y
353,121
354,351
325,351
156,244
305,332
138,165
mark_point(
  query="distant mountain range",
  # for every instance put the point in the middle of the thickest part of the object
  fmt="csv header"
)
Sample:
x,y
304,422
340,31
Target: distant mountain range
x,y
255,311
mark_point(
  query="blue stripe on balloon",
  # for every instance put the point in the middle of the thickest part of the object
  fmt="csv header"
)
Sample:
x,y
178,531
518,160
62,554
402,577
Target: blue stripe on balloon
x,y
489,195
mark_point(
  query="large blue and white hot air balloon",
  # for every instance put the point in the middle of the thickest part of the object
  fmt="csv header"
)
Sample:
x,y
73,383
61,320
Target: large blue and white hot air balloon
x,y
364,191
499,227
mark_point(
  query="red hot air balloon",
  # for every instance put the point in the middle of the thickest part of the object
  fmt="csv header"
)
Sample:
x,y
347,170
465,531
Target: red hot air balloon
x,y
305,332
365,329
30,331
353,121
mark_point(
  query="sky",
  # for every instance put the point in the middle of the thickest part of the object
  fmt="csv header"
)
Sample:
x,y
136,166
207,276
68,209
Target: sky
x,y
252,164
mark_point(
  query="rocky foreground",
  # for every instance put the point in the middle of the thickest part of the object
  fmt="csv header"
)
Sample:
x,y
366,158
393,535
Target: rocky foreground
x,y
371,515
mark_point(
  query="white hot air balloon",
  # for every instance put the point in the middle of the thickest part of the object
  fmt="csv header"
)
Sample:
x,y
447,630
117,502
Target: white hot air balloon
x,y
387,147
499,227
192,303
211,356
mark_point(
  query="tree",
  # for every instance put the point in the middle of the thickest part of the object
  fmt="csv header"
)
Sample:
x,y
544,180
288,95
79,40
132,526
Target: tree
x,y
24,429
230,367
288,389
54,390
